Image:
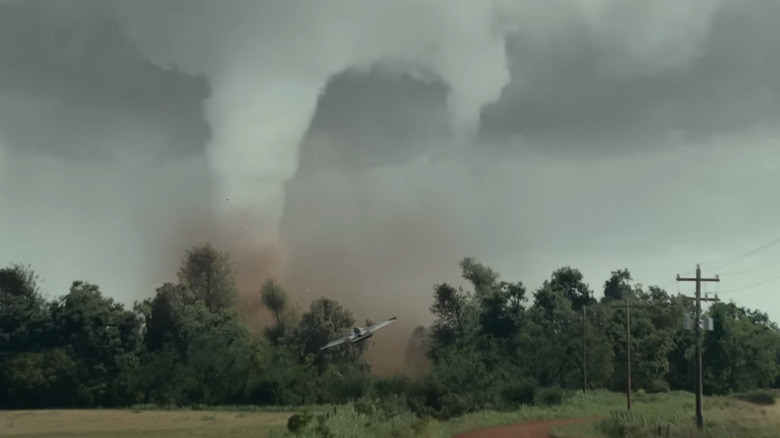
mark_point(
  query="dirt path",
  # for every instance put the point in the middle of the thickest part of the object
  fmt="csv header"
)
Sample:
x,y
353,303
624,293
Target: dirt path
x,y
534,429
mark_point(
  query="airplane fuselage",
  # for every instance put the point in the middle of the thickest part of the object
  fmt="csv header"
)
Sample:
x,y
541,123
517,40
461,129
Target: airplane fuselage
x,y
361,337
358,334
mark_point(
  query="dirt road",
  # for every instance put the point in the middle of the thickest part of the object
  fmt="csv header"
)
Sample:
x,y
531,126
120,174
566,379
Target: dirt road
x,y
534,429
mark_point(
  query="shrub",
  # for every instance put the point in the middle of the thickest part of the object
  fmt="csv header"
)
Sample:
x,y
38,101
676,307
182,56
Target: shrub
x,y
425,397
365,407
621,424
764,398
344,388
322,429
549,396
393,385
453,405
298,421
392,406
519,393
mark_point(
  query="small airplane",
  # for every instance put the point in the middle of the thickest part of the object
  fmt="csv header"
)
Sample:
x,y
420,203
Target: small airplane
x,y
359,334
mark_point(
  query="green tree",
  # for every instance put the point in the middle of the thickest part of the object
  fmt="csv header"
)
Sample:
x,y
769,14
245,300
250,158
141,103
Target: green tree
x,y
483,278
682,362
31,373
193,354
499,303
217,355
278,376
209,276
275,298
618,286
570,282
23,311
601,356
325,321
43,379
462,371
453,311
549,347
103,339
653,328
740,353
162,316
552,308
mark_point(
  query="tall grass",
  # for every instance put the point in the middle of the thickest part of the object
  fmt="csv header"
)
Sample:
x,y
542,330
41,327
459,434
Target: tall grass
x,y
652,414
356,421
347,422
672,416
227,408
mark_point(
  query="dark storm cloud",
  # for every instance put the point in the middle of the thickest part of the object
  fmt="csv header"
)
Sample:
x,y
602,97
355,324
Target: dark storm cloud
x,y
367,218
69,75
568,93
102,161
374,118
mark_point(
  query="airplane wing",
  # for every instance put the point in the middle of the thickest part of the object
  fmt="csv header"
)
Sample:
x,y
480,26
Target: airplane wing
x,y
376,327
334,343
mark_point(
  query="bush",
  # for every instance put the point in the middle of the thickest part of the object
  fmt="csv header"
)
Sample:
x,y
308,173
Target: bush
x,y
392,406
422,426
519,393
453,405
425,397
344,388
549,396
394,385
658,386
323,429
298,421
621,424
763,398
278,392
365,407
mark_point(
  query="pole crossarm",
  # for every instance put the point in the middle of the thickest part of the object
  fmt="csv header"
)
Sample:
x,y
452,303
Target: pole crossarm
x,y
715,278
714,300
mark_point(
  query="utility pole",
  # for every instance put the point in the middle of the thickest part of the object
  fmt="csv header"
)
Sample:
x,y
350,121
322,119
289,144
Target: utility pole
x,y
584,353
627,307
697,332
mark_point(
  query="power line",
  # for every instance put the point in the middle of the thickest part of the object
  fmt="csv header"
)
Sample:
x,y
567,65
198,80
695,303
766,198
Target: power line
x,y
746,271
771,280
731,260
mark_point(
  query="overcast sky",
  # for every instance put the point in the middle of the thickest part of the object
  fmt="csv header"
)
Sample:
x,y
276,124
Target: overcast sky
x,y
359,149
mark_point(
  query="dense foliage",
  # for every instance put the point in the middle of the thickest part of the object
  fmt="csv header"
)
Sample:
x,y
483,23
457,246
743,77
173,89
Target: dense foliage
x,y
494,346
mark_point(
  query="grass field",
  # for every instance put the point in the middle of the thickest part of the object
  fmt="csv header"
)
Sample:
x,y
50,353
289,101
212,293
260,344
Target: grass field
x,y
673,416
726,417
136,424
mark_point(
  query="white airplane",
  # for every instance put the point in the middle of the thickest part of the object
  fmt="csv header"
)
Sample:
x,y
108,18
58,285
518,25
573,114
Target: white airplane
x,y
359,334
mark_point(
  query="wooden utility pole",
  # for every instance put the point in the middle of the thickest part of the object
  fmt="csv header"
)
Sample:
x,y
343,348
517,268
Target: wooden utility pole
x,y
584,353
697,332
627,307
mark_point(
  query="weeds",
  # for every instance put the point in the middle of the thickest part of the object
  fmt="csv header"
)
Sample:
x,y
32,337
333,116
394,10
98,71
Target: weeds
x,y
764,398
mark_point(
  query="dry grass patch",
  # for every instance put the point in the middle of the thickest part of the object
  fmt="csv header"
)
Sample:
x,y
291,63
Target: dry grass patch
x,y
126,423
761,415
724,417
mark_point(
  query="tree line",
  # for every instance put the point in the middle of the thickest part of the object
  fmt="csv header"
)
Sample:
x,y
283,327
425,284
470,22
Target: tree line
x,y
493,345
